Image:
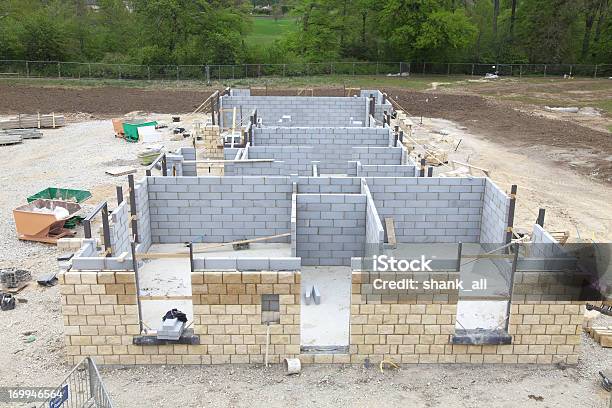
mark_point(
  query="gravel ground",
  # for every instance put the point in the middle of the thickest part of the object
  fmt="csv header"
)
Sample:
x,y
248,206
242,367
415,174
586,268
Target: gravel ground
x,y
76,156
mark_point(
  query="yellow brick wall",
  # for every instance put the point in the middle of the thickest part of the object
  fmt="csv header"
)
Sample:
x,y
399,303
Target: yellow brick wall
x,y
420,329
227,315
101,318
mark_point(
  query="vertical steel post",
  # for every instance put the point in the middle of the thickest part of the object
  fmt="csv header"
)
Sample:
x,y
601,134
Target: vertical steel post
x,y
164,165
540,219
119,195
511,213
133,211
106,230
459,251
422,171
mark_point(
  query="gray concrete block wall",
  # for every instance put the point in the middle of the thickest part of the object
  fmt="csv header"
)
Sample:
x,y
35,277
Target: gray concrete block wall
x,y
330,228
219,209
435,210
143,215
544,245
240,92
273,168
298,159
120,230
375,233
189,154
494,214
337,136
386,170
304,110
329,185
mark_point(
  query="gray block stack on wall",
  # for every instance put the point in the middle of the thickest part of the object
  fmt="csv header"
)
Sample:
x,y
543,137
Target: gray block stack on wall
x,y
218,209
302,110
330,228
430,210
494,214
188,154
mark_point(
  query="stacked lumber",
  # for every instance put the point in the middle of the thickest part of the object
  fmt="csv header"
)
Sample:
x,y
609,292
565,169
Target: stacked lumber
x,y
14,136
601,335
33,121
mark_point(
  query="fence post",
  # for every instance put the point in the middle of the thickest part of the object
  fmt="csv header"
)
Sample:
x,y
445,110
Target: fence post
x,y
376,67
233,72
89,69
27,70
284,69
520,70
177,72
595,74
353,69
149,72
448,69
59,70
472,69
571,69
207,74
544,69
409,69
423,67
331,68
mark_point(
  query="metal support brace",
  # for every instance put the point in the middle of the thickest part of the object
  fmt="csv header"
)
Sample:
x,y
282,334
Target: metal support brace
x,y
119,195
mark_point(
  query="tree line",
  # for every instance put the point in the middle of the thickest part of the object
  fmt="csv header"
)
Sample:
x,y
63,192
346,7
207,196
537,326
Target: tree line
x,y
161,32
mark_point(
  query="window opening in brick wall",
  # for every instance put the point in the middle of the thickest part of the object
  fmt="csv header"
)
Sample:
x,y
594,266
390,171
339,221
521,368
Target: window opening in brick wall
x,y
270,309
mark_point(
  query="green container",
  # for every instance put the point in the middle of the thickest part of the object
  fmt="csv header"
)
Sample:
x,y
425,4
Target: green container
x,y
66,194
131,130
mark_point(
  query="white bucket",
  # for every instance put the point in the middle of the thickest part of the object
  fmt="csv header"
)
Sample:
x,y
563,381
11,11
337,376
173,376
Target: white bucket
x,y
292,365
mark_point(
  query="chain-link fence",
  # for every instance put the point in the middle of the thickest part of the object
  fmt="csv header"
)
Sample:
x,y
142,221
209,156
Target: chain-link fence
x,y
85,70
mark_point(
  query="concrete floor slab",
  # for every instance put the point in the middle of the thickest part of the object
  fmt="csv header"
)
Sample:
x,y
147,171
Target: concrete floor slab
x,y
326,324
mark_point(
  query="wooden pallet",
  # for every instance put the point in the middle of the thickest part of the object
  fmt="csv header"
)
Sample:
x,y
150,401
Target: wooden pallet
x,y
601,335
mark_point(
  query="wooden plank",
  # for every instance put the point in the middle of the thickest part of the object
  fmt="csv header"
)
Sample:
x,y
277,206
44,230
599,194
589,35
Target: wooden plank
x,y
245,241
119,171
598,333
606,341
390,228
166,297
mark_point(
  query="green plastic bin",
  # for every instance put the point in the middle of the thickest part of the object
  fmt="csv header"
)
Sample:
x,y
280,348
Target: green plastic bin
x,y
131,130
66,194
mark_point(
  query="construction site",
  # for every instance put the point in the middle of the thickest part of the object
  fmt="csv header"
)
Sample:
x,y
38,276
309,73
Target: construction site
x,y
305,246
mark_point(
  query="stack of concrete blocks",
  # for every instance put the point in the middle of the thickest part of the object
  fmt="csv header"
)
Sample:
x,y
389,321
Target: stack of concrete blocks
x,y
240,92
89,258
303,111
330,228
218,209
143,215
120,230
374,233
430,210
322,136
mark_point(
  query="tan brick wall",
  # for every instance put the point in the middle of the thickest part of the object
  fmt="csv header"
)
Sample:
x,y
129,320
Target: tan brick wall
x,y
420,330
101,317
227,314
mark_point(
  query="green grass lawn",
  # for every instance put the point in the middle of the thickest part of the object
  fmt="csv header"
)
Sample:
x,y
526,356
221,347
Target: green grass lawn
x,y
266,29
